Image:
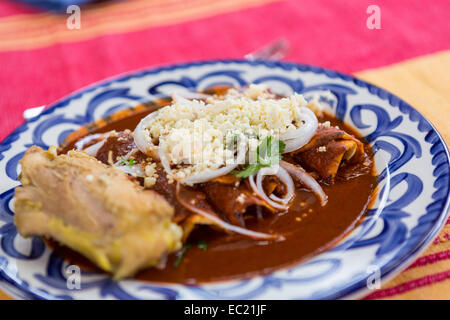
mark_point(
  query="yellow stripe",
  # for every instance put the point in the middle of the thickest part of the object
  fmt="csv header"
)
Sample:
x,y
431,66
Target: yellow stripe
x,y
418,272
109,10
424,82
436,291
31,31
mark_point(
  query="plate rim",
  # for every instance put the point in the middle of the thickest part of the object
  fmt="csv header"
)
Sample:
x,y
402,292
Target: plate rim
x,y
354,289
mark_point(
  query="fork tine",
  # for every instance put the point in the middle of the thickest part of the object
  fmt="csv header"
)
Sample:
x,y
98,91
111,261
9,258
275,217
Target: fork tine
x,y
275,50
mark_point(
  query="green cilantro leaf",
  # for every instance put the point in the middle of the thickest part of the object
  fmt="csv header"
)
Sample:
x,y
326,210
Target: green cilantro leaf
x,y
248,171
128,162
202,245
268,153
181,254
234,139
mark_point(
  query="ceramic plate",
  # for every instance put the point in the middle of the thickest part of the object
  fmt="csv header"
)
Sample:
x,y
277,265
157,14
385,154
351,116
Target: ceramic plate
x,y
411,206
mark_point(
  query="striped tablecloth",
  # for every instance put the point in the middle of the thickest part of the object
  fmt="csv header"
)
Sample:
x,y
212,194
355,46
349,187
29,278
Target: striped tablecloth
x,y
41,60
425,83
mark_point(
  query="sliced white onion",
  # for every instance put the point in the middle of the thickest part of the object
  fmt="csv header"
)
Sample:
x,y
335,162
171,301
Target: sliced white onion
x,y
189,95
141,137
130,153
211,174
92,150
284,176
296,139
227,226
259,190
162,154
263,195
134,170
303,177
85,140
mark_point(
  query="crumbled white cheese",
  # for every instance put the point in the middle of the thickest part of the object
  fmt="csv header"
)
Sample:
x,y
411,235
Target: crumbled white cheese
x,y
113,133
149,182
241,198
196,133
150,175
150,169
322,149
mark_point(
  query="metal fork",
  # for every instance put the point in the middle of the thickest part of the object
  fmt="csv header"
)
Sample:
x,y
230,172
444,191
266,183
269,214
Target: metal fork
x,y
275,50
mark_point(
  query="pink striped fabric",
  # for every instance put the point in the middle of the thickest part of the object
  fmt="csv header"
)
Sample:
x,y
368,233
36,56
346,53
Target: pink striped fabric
x,y
430,259
410,285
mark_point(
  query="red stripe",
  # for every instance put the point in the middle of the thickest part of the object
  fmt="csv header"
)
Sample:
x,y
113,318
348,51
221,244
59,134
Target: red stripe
x,y
405,27
430,259
410,285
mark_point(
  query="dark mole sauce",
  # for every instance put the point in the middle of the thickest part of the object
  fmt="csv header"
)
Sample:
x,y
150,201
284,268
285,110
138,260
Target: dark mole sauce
x,y
307,227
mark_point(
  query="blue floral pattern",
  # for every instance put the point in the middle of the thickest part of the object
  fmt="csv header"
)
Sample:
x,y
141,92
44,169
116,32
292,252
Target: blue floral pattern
x,y
411,205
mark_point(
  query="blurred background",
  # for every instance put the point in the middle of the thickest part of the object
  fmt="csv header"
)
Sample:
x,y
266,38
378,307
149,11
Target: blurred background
x,y
49,48
41,59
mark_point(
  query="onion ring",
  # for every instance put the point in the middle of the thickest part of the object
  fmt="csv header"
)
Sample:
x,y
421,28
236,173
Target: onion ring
x,y
92,150
298,138
162,154
299,174
211,174
143,141
85,140
284,176
134,170
259,190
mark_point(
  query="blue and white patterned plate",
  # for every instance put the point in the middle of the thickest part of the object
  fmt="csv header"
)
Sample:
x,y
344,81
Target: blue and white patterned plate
x,y
411,206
